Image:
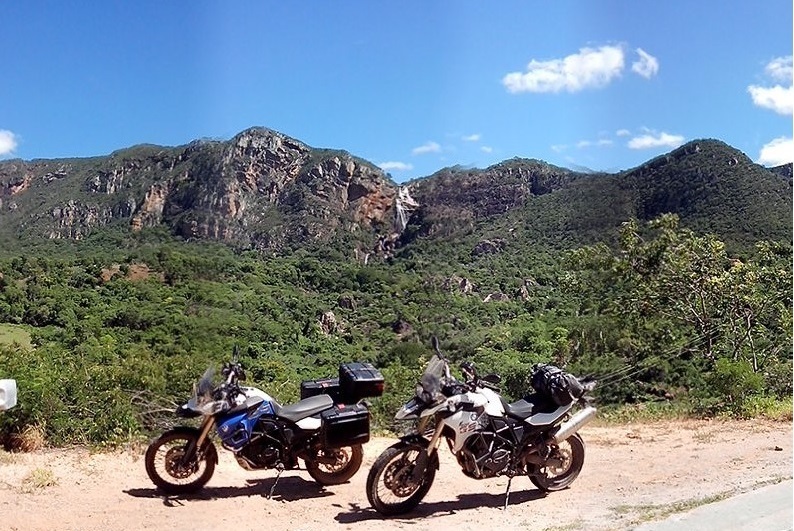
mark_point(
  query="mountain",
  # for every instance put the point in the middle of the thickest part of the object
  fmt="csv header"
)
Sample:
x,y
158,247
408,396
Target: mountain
x,y
710,185
260,189
267,191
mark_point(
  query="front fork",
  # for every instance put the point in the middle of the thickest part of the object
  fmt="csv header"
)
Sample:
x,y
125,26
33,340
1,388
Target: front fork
x,y
424,457
206,426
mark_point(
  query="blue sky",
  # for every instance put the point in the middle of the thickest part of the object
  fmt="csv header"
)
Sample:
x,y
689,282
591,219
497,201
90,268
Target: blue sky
x,y
412,86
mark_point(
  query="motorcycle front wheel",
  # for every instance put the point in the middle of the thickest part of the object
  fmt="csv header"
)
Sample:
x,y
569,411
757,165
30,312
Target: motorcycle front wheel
x,y
391,488
570,454
167,467
332,466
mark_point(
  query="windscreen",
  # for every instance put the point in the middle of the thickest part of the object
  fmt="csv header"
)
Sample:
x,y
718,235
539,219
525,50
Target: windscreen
x,y
205,384
429,388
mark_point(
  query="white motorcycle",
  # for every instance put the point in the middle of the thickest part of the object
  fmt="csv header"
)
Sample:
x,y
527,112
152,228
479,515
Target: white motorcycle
x,y
535,436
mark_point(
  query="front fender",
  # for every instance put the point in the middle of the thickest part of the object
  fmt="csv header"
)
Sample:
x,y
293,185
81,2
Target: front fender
x,y
188,431
186,413
413,438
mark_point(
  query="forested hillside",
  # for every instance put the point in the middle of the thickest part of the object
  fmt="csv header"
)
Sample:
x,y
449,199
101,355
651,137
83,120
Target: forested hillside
x,y
671,283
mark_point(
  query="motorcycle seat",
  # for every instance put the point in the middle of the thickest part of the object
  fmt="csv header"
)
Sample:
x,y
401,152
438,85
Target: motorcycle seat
x,y
539,408
521,409
305,408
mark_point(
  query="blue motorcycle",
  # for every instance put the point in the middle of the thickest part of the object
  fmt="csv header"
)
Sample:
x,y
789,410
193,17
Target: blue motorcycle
x,y
325,429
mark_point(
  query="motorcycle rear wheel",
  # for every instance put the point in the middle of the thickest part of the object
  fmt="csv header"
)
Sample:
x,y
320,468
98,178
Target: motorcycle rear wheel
x,y
390,489
345,463
554,478
165,466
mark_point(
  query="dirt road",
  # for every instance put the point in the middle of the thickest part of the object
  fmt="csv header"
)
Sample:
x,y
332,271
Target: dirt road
x,y
632,474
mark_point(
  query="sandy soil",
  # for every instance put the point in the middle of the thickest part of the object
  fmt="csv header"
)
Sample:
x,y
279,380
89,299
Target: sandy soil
x,y
632,473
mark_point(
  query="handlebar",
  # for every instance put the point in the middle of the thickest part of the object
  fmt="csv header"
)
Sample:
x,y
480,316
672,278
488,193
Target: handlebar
x,y
472,380
468,370
232,373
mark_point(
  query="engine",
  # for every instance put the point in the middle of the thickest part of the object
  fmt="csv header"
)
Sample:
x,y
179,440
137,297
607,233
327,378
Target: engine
x,y
484,455
269,445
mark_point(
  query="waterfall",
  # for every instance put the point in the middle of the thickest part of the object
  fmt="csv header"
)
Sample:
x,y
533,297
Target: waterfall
x,y
404,204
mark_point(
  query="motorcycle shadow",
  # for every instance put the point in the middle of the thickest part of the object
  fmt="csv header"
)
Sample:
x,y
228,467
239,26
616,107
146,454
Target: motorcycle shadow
x,y
288,489
435,509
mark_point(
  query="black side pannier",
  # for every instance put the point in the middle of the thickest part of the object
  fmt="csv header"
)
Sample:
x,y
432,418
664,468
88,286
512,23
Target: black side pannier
x,y
344,425
554,383
359,380
323,386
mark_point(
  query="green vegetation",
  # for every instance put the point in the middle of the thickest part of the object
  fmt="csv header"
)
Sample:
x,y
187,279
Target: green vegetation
x,y
106,328
666,318
712,187
14,334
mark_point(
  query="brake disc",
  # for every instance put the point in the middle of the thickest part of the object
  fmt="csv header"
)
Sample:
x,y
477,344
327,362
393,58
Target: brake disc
x,y
397,478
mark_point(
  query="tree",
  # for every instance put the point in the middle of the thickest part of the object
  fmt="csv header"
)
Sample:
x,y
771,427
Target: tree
x,y
678,295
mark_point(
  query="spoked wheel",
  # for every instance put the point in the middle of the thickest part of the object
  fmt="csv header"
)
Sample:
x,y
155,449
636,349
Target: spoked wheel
x,y
567,461
167,467
332,466
391,487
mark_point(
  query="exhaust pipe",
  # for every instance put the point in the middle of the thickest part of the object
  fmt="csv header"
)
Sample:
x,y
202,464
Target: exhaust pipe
x,y
574,424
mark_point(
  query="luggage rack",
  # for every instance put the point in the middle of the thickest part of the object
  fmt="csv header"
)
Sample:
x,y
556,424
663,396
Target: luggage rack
x,y
356,381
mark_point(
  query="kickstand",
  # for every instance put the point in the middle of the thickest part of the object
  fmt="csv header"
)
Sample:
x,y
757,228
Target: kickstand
x,y
280,469
507,492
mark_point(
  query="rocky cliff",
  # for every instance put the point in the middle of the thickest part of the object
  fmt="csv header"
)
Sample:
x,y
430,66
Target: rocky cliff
x,y
267,191
259,189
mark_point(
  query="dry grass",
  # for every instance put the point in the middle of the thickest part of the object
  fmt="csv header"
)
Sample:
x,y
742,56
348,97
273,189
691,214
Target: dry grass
x,y
30,439
7,458
38,479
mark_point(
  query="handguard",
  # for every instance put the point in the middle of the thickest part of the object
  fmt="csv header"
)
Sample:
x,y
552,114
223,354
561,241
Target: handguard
x,y
453,403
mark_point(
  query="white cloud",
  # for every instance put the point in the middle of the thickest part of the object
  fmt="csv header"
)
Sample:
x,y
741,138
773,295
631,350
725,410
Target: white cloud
x,y
471,138
395,166
777,98
428,147
780,69
601,142
486,149
653,140
8,142
778,151
559,148
622,132
647,65
590,68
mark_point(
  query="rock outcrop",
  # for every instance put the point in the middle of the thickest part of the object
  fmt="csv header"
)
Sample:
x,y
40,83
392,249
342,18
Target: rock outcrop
x,y
260,189
264,190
